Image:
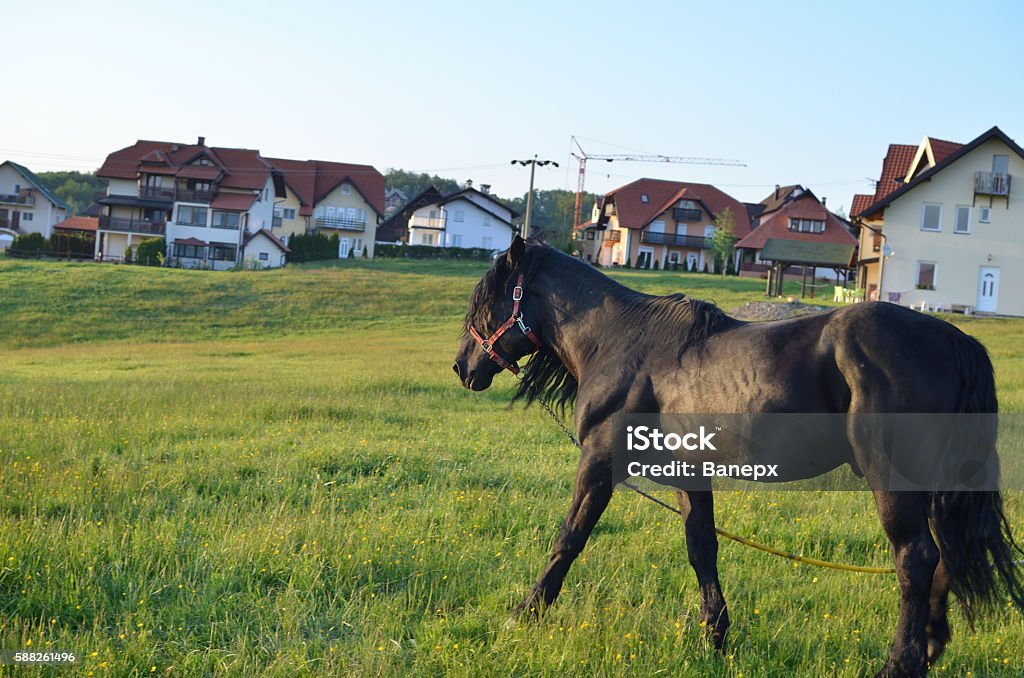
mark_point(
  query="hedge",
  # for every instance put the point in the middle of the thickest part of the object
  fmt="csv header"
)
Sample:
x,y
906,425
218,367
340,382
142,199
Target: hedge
x,y
431,252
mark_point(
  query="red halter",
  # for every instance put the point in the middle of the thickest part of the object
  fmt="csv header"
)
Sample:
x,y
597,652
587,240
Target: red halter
x,y
515,319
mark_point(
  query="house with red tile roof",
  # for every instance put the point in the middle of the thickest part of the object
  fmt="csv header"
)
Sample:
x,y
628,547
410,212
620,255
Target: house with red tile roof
x,y
943,229
467,218
670,223
330,197
791,213
209,203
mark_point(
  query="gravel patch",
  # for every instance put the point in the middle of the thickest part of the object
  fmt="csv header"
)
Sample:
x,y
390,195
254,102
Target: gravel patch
x,y
775,310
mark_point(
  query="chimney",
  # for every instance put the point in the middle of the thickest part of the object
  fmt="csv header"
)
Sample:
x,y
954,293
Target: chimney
x,y
202,141
485,189
175,148
777,191
469,183
823,200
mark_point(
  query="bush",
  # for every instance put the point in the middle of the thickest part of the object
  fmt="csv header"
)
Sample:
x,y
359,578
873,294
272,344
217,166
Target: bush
x,y
313,247
431,252
150,252
128,255
30,243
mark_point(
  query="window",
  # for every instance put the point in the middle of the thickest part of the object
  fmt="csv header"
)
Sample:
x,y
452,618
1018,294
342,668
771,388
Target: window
x,y
931,216
190,251
191,216
926,275
264,256
346,189
1000,164
27,216
456,240
984,215
222,251
590,235
644,198
487,222
226,219
688,204
203,162
288,213
807,225
428,238
486,242
460,215
962,222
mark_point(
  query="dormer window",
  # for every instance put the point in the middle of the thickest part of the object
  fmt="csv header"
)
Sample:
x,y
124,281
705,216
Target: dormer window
x,y
204,162
807,225
688,204
644,198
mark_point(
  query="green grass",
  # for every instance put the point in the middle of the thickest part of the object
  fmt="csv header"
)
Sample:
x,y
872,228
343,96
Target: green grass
x,y
277,473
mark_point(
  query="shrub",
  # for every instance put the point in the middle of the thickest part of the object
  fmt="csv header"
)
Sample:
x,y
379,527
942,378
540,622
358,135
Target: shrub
x,y
313,247
151,251
30,243
431,252
128,255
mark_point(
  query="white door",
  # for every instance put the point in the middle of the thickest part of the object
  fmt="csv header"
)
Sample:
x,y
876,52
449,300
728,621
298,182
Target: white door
x,y
343,247
988,289
691,261
645,257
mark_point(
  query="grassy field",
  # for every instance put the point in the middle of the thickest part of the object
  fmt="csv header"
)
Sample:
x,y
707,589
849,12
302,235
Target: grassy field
x,y
277,473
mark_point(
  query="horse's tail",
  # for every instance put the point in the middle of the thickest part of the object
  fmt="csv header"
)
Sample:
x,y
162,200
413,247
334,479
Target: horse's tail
x,y
970,527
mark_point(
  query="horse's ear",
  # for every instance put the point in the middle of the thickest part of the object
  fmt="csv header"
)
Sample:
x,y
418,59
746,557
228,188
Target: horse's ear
x,y
515,251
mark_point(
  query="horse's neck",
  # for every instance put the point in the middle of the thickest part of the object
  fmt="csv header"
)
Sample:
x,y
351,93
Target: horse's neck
x,y
581,312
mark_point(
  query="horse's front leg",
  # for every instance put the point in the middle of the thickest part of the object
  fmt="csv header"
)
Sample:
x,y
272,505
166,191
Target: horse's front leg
x,y
698,510
591,495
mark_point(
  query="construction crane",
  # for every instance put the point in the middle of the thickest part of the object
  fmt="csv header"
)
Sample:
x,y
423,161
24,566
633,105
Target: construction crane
x,y
583,157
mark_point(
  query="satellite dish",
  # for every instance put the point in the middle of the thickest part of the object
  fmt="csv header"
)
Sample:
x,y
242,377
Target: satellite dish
x,y
887,251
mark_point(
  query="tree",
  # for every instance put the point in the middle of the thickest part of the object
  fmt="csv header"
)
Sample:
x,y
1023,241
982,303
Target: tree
x,y
412,184
75,188
723,242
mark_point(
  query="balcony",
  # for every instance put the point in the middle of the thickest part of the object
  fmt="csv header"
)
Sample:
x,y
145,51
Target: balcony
x,y
193,195
612,236
341,223
435,223
17,198
125,225
686,214
673,240
991,183
157,193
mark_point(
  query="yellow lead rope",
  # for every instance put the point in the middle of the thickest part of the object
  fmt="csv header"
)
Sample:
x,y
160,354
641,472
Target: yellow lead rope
x,y
768,549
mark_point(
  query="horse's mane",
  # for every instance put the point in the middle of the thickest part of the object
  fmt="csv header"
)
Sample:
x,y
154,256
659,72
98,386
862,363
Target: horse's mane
x,y
545,377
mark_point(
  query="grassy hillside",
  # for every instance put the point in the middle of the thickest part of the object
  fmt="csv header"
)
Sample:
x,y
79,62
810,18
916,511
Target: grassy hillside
x,y
276,473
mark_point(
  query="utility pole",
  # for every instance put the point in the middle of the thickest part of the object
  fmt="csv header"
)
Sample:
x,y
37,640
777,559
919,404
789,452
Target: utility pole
x,y
529,196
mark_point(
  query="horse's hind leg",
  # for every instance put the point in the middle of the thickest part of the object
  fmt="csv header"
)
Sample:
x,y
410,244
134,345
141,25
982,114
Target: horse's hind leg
x,y
904,518
698,511
938,625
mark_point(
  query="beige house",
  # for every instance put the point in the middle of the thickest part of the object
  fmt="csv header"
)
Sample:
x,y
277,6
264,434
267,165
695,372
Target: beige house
x,y
945,229
652,222
330,198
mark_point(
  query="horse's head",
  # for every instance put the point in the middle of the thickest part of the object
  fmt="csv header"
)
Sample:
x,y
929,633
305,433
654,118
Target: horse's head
x,y
490,309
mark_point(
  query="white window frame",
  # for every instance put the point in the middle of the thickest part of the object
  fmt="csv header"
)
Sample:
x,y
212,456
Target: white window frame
x,y
644,198
967,221
486,242
27,216
346,189
459,215
288,213
924,211
984,215
935,275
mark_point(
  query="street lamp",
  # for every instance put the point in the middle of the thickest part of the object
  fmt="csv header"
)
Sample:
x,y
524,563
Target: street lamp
x,y
529,196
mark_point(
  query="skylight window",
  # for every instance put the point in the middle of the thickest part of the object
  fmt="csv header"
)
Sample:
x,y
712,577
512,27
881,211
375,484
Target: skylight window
x,y
643,197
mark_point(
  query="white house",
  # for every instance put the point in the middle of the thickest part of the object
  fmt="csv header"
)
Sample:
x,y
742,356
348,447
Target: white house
x,y
263,249
206,202
469,218
945,228
26,206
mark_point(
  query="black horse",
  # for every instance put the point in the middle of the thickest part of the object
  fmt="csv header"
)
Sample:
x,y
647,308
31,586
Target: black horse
x,y
609,350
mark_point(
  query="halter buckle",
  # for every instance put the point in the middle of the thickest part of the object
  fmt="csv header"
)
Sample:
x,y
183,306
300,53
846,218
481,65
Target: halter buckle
x,y
486,346
517,293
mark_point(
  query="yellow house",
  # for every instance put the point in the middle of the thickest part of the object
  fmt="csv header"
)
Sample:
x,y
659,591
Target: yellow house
x,y
944,230
668,224
331,198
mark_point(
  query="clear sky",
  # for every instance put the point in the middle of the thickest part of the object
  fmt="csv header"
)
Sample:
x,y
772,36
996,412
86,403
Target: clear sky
x,y
802,92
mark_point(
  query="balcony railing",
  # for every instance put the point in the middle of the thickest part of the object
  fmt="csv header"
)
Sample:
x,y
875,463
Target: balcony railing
x,y
193,195
654,238
686,214
436,223
341,223
157,192
18,198
132,225
991,183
